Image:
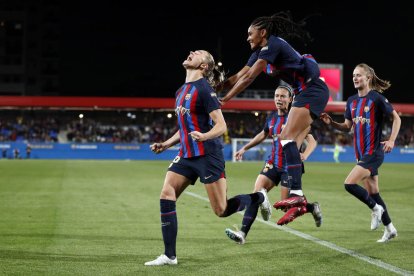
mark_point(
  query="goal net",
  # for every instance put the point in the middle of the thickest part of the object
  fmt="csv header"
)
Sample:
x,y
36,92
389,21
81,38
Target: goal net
x,y
258,153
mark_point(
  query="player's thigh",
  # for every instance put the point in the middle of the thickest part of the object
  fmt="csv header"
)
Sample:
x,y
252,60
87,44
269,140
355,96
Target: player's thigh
x,y
357,174
263,181
299,120
174,185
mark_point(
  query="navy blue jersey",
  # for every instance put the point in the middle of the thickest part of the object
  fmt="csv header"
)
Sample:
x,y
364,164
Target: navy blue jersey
x,y
285,63
273,127
193,103
367,116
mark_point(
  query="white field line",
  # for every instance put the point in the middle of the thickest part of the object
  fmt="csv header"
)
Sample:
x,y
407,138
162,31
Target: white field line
x,y
330,245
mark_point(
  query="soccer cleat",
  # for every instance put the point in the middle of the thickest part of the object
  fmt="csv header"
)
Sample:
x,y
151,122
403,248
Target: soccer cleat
x,y
265,208
237,236
291,214
376,215
162,260
388,235
296,201
317,214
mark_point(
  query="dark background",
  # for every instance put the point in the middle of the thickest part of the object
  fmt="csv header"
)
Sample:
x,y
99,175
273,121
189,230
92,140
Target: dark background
x,y
124,49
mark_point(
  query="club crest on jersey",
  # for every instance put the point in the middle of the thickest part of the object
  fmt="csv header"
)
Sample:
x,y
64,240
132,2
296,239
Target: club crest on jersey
x,y
187,97
366,108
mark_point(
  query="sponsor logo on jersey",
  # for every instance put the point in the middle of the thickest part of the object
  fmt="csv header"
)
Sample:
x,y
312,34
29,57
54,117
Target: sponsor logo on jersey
x,y
361,120
182,110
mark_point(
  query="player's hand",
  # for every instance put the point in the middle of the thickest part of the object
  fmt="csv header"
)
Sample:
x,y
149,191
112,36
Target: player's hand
x,y
387,146
302,157
326,118
157,147
198,136
222,101
239,154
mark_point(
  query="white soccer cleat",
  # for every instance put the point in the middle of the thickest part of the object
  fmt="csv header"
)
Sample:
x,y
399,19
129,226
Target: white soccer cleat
x,y
162,260
388,235
265,207
376,215
237,236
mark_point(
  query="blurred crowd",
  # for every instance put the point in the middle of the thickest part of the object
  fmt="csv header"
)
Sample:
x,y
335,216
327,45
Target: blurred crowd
x,y
150,126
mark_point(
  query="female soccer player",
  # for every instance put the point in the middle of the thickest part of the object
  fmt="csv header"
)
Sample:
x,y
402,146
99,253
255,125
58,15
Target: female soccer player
x,y
365,114
274,170
200,154
273,55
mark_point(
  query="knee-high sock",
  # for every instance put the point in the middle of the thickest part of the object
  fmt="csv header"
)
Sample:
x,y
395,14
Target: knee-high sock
x,y
249,218
385,216
169,226
240,202
360,193
294,166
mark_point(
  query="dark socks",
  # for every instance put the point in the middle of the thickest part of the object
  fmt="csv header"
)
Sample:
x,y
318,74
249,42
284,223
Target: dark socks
x,y
294,165
360,193
309,208
240,202
249,218
169,226
385,216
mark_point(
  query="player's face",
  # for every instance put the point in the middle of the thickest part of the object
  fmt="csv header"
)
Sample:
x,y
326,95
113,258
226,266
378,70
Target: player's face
x,y
360,78
255,37
195,59
282,99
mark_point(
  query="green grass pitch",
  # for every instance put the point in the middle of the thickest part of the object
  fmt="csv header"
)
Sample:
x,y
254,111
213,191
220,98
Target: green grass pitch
x,y
102,218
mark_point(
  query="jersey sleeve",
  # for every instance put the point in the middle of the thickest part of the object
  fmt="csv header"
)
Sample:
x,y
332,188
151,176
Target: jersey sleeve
x,y
252,58
348,114
384,105
209,100
270,51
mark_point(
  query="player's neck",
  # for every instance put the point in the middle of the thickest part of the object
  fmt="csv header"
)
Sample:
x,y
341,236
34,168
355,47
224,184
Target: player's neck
x,y
193,75
363,92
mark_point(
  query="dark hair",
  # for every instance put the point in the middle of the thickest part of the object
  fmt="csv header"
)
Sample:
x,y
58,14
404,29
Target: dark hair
x,y
282,24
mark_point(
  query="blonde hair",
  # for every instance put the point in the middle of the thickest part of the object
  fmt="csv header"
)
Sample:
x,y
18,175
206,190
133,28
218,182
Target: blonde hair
x,y
375,82
213,75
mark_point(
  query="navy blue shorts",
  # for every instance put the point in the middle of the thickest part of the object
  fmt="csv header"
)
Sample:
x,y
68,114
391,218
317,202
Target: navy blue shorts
x,y
276,175
315,97
209,167
372,162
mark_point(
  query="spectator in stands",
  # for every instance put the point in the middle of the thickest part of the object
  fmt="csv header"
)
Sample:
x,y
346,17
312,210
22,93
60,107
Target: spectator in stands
x,y
365,114
28,151
274,170
200,154
273,55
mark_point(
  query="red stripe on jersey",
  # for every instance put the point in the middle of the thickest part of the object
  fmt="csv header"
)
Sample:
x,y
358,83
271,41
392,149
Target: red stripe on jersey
x,y
180,117
361,127
353,110
194,119
280,151
372,128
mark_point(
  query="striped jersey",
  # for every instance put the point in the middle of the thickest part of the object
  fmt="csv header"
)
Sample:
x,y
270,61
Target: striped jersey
x,y
273,127
285,63
367,116
193,103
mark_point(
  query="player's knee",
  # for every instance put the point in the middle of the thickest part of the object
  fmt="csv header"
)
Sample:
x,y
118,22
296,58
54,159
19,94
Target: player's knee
x,y
220,211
